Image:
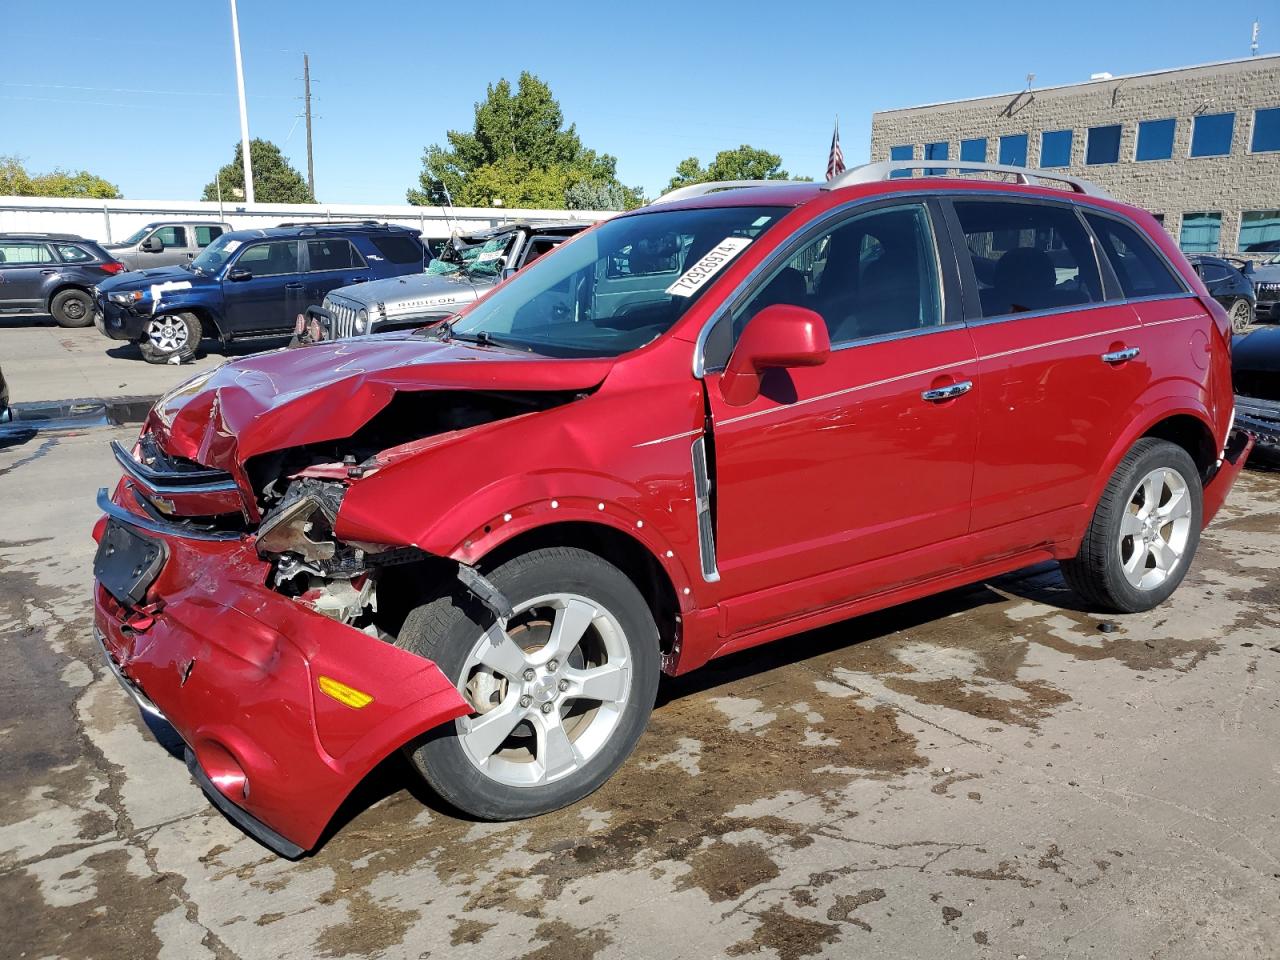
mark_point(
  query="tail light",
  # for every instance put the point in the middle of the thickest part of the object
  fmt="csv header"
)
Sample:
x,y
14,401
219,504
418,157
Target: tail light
x,y
111,266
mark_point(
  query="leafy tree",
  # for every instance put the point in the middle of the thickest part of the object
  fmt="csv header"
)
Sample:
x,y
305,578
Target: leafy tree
x,y
274,181
520,152
744,163
15,181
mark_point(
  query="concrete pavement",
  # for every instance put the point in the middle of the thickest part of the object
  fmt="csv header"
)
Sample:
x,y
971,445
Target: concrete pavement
x,y
985,774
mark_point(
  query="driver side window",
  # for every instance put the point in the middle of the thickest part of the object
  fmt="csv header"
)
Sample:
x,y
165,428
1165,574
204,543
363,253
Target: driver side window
x,y
868,276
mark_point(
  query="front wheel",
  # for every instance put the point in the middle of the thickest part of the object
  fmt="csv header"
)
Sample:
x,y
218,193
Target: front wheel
x,y
560,692
1144,532
1241,314
171,338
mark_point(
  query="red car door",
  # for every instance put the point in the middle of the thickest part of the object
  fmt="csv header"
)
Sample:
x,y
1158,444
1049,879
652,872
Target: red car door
x,y
1058,366
830,484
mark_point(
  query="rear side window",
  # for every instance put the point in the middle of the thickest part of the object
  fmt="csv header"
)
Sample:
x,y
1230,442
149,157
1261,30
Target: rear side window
x,y
398,248
270,259
172,236
1141,271
12,252
206,235
70,253
873,275
332,253
1028,256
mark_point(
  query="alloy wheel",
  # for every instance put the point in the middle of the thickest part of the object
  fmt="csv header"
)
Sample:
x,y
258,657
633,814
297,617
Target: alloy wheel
x,y
548,687
1155,528
167,334
1241,316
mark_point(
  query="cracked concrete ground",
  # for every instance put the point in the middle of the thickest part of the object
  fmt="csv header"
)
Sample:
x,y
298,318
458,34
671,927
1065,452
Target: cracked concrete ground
x,y
984,774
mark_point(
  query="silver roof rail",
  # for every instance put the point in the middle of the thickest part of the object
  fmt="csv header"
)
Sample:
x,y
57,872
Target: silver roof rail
x,y
875,172
714,186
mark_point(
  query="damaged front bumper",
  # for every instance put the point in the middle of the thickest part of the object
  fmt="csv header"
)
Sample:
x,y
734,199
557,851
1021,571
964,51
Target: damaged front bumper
x,y
1234,455
283,710
1262,419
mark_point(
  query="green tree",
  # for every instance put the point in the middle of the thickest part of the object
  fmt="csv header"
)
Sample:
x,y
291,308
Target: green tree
x,y
274,181
519,152
15,181
744,163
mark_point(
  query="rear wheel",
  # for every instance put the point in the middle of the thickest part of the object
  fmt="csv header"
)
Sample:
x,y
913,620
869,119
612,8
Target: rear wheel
x,y
1144,532
560,692
171,338
1241,314
72,308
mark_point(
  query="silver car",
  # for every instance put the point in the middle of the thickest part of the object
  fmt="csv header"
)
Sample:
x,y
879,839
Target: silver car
x,y
164,243
467,269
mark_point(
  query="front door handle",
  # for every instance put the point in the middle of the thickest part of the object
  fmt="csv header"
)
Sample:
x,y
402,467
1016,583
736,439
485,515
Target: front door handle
x,y
1120,356
949,392
293,286
48,273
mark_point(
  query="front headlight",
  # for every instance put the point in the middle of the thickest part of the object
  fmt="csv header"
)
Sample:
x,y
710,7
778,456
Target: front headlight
x,y
126,298
362,321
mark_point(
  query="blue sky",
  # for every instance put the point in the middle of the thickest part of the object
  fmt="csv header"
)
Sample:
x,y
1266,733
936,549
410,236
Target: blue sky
x,y
144,94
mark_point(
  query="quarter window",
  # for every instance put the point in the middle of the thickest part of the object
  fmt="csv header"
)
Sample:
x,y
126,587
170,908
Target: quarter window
x,y
1103,145
1155,139
1028,256
172,236
1200,232
12,254
869,276
206,235
905,151
1260,230
974,151
398,248
332,253
270,259
1211,134
1142,272
70,253
1266,130
1013,150
936,151
1055,148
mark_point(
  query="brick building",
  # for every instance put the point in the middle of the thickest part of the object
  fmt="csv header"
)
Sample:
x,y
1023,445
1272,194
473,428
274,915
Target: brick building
x,y
1199,147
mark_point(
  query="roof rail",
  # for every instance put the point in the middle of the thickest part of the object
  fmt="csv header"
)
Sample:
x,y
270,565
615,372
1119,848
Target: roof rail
x,y
714,186
882,170
40,235
333,223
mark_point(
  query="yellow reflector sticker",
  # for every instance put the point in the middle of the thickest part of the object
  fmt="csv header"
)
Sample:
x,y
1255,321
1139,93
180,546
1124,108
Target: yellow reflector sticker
x,y
344,694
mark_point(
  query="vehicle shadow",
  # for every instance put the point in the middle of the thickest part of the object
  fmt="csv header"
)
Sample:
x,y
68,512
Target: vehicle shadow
x,y
27,320
237,348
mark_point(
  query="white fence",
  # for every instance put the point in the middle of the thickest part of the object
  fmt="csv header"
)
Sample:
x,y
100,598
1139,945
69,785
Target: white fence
x,y
114,220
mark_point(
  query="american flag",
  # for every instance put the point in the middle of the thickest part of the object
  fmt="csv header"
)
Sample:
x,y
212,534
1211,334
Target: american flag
x,y
835,162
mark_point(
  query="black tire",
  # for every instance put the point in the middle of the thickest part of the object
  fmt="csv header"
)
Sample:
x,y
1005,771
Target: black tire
x,y
447,629
72,308
1242,315
1096,573
156,350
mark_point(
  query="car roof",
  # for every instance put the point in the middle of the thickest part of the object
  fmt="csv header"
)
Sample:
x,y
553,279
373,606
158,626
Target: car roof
x,y
534,226
45,236
294,231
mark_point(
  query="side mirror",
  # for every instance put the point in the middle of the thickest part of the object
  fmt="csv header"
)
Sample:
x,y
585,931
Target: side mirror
x,y
778,336
507,273
237,275
153,244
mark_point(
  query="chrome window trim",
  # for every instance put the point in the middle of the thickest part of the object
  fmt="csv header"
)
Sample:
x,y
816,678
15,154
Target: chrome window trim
x,y
1078,308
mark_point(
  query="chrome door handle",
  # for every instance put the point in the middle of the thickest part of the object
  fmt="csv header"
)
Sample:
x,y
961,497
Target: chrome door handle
x,y
1120,356
949,392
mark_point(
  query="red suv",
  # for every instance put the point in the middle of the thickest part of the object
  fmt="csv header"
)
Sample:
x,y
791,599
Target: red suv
x,y
725,418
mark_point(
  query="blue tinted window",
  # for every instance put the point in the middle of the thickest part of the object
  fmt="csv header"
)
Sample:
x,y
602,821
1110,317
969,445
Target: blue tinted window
x,y
904,152
1200,232
1266,130
1259,229
1211,134
1055,148
1013,150
936,151
974,151
1155,139
1103,145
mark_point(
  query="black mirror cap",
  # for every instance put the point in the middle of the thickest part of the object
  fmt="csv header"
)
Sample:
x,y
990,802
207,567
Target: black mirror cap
x,y
239,275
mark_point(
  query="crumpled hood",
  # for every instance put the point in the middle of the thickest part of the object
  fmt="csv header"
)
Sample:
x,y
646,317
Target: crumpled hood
x,y
327,391
145,279
417,292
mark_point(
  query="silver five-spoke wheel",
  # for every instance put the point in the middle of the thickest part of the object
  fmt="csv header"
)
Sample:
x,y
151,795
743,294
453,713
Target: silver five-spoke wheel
x,y
548,687
1155,528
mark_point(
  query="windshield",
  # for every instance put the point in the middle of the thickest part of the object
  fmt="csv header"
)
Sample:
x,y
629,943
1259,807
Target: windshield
x,y
617,287
215,256
482,259
136,237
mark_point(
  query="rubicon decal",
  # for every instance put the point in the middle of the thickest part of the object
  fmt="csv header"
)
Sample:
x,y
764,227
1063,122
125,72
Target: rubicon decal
x,y
693,279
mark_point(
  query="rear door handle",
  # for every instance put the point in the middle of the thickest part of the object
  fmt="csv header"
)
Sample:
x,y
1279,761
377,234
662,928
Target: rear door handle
x,y
949,392
1120,356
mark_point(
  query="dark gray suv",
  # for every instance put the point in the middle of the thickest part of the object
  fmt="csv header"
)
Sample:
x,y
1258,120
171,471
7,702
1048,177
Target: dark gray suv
x,y
52,273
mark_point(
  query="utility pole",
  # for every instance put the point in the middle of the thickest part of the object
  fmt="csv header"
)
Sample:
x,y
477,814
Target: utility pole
x,y
244,113
306,99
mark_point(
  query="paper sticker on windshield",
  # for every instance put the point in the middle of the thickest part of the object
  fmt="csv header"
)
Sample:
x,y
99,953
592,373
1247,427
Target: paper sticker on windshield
x,y
232,246
696,276
491,255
